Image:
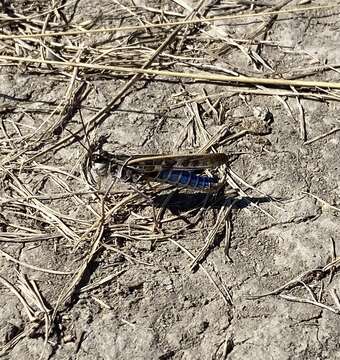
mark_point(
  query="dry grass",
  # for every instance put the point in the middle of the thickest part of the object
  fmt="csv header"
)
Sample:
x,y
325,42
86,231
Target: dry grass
x,y
75,54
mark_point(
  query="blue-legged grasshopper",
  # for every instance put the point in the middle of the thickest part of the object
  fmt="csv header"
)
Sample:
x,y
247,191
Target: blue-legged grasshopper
x,y
179,170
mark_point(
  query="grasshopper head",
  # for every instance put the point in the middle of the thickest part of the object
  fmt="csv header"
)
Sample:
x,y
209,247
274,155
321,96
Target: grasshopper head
x,y
102,164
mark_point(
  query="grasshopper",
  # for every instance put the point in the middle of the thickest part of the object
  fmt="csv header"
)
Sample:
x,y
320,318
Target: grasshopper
x,y
179,170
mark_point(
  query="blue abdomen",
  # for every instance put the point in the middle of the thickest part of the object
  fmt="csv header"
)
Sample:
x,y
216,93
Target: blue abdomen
x,y
186,179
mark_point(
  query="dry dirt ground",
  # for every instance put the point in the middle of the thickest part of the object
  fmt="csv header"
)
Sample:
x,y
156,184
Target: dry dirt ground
x,y
95,270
